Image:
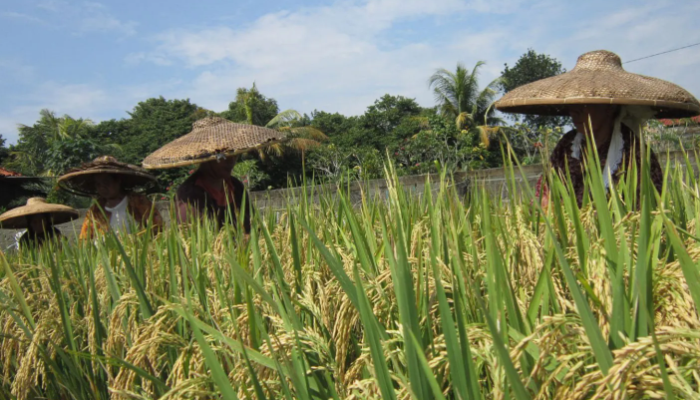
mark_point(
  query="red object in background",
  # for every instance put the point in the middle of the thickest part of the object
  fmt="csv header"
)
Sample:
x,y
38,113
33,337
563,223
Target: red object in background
x,y
5,172
674,122
542,192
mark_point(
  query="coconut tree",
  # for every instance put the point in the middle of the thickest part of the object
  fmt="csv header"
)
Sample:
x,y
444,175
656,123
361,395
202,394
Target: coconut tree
x,y
458,96
299,138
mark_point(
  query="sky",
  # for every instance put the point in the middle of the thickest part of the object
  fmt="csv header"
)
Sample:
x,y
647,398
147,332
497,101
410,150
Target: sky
x,y
98,59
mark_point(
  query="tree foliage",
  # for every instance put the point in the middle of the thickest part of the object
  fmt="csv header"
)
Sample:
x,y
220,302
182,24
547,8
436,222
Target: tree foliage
x,y
251,107
532,67
152,124
4,152
459,96
461,132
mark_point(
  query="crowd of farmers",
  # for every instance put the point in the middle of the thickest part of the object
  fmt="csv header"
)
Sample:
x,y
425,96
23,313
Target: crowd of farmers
x,y
608,106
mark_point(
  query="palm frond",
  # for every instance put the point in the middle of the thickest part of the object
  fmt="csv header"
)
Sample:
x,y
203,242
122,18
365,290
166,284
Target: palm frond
x,y
463,119
285,118
307,132
302,144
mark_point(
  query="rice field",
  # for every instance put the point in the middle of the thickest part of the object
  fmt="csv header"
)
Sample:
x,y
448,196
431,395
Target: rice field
x,y
405,297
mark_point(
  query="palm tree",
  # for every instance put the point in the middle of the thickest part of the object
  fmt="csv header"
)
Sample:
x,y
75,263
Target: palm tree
x,y
30,156
458,96
299,138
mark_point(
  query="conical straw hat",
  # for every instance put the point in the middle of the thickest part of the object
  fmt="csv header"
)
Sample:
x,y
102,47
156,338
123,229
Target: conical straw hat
x,y
17,217
211,137
81,180
598,78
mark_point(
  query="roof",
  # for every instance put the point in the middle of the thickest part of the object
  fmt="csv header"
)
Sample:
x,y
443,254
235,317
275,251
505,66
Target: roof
x,y
684,121
5,172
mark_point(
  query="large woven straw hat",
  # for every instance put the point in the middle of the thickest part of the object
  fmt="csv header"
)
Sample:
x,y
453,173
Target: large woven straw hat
x,y
81,180
17,217
598,78
211,137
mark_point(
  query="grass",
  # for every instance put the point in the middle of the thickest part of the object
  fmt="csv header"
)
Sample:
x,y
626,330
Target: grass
x,y
399,297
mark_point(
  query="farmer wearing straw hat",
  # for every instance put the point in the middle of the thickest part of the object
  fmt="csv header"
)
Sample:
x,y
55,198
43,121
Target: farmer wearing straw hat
x,y
608,106
114,185
214,144
38,217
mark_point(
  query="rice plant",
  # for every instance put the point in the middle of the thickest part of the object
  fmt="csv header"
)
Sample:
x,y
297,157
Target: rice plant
x,y
396,297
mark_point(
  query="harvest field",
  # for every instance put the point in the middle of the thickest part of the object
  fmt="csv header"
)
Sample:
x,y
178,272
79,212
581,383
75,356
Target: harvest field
x,y
436,297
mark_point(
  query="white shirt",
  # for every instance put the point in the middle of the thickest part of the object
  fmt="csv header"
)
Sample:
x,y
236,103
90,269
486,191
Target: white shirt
x,y
121,221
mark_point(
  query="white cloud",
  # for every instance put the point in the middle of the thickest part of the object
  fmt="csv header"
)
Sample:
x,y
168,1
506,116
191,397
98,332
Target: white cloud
x,y
92,101
13,70
327,57
77,17
21,17
343,56
95,17
52,5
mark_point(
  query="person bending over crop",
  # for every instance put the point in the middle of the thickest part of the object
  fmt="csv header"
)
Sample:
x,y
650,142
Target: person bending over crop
x,y
609,107
38,218
118,206
214,143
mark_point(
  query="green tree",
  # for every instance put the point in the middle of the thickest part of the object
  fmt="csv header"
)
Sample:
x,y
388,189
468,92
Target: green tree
x,y
378,126
441,145
37,151
251,107
4,152
458,96
333,125
152,124
532,67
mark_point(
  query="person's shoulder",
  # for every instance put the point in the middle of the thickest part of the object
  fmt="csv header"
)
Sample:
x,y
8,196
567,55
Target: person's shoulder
x,y
566,140
569,136
138,198
23,237
563,148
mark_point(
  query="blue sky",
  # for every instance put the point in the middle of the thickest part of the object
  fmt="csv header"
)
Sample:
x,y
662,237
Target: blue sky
x,y
97,59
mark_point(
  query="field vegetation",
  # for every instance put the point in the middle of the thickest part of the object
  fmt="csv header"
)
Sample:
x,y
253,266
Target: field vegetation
x,y
400,296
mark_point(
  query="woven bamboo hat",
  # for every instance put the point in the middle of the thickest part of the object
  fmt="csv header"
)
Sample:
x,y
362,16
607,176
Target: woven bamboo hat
x,y
598,78
81,180
17,217
211,138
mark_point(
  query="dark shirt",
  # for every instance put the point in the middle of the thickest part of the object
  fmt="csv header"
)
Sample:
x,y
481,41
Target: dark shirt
x,y
562,155
32,239
196,195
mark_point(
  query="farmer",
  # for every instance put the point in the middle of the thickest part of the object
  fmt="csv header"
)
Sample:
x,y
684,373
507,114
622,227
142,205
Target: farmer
x,y
38,218
609,107
215,144
118,205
